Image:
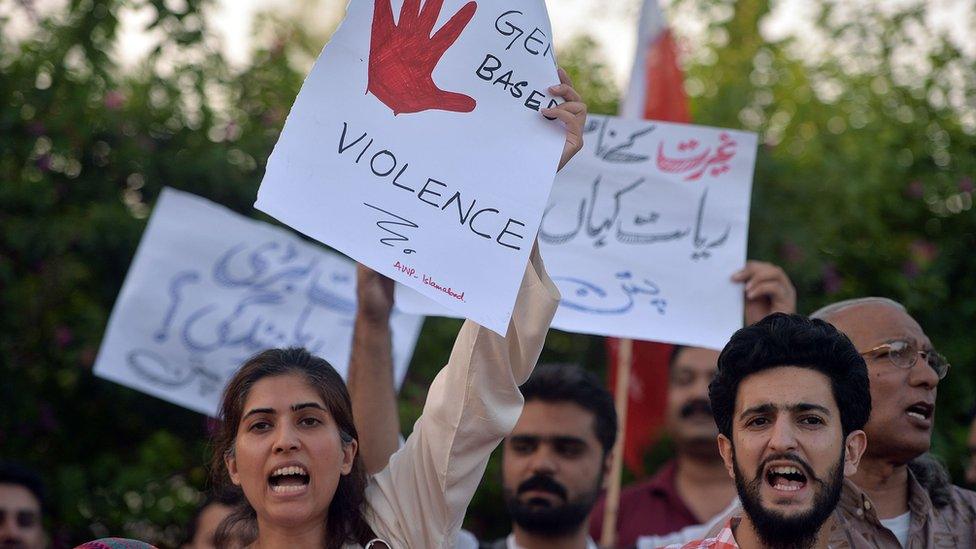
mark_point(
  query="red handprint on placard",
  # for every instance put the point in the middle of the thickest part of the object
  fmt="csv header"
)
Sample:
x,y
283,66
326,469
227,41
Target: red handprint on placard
x,y
402,56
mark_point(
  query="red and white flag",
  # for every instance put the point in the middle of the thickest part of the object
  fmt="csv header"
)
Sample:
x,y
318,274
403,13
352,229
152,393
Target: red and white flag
x,y
656,92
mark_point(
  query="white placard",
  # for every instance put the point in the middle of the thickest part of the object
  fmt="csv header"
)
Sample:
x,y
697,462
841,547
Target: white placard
x,y
643,230
416,146
209,288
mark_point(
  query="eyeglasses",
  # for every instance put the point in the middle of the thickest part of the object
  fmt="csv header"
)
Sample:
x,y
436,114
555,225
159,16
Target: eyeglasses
x,y
904,355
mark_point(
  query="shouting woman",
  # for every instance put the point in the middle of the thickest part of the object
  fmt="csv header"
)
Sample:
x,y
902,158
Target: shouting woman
x,y
288,440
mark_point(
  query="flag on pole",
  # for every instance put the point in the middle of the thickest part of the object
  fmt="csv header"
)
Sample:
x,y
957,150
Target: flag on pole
x,y
656,91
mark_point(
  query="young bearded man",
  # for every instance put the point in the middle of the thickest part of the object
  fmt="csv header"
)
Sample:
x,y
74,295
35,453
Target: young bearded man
x,y
555,460
790,400
694,487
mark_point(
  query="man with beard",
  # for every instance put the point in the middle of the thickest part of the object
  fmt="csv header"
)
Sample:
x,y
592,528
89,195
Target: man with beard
x,y
694,487
900,497
554,461
21,506
790,399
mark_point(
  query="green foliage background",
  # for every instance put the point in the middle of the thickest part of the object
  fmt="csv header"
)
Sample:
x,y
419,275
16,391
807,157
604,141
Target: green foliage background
x,y
864,186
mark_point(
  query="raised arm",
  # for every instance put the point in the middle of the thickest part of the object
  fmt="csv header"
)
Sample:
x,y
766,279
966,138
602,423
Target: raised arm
x,y
418,501
371,385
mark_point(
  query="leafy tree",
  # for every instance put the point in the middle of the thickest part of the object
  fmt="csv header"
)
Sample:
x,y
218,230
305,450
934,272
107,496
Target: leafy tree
x,y
864,179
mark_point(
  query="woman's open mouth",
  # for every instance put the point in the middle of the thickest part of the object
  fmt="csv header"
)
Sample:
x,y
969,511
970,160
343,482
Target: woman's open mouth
x,y
288,480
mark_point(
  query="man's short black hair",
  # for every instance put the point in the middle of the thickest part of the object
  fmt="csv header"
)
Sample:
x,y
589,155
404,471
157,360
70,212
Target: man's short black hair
x,y
12,473
792,340
571,383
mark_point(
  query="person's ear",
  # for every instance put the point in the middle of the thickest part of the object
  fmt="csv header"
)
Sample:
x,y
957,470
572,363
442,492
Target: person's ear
x,y
725,449
855,444
230,461
349,450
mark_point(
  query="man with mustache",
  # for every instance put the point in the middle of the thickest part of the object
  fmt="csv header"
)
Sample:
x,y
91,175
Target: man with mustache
x,y
694,487
555,460
790,400
900,497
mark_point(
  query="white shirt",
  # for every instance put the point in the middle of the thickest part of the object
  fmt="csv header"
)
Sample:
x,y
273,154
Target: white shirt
x,y
512,545
419,499
899,527
466,540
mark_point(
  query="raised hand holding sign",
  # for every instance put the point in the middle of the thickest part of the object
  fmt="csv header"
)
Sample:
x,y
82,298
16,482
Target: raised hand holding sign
x,y
644,230
402,57
419,146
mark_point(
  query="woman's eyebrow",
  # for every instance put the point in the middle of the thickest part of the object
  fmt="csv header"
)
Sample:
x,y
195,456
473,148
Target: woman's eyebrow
x,y
259,411
303,405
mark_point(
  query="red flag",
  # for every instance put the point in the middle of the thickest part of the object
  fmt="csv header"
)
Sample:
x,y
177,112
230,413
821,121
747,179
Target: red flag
x,y
656,92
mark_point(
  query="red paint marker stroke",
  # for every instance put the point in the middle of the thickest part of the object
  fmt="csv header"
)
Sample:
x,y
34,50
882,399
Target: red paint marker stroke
x,y
403,55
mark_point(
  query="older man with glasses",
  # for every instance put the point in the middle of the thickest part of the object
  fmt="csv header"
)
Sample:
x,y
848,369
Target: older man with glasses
x,y
899,496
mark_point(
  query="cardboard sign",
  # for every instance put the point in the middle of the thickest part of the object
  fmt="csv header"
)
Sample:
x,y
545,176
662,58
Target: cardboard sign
x,y
417,147
209,288
643,230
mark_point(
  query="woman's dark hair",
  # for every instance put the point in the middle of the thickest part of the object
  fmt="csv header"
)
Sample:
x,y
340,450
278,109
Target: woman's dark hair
x,y
345,517
568,382
792,340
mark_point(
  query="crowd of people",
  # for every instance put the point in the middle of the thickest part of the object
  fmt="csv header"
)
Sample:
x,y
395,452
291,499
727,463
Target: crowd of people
x,y
802,432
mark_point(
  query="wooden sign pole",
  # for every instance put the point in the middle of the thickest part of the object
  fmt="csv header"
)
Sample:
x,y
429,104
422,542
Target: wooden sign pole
x,y
609,535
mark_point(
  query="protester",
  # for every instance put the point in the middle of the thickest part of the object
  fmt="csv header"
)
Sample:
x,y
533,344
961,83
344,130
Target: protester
x,y
555,459
899,497
694,487
21,508
790,399
202,531
288,439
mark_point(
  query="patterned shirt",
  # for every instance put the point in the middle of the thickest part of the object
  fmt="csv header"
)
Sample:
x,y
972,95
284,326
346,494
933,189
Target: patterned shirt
x,y
723,540
857,526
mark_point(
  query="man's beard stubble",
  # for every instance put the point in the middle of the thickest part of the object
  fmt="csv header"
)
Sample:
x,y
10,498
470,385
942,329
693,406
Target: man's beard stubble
x,y
797,531
552,521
